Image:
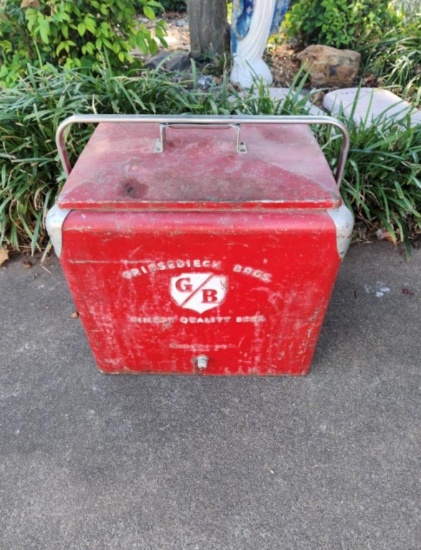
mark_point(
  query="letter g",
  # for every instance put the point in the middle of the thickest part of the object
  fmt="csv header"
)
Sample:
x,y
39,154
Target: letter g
x,y
183,285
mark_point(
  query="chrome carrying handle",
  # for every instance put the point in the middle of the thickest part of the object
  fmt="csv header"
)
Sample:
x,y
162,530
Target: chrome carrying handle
x,y
159,147
210,121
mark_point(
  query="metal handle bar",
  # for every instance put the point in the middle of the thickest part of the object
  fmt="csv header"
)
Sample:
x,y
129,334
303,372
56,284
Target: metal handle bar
x,y
202,120
159,147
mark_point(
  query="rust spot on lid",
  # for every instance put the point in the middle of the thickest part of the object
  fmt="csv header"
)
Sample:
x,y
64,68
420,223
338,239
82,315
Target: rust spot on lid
x,y
133,188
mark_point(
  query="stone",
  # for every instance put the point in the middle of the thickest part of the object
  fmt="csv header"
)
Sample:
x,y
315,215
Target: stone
x,y
330,67
370,104
205,81
172,61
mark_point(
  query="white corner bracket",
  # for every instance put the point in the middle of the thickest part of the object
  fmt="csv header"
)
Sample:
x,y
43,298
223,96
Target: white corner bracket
x,y
54,224
343,219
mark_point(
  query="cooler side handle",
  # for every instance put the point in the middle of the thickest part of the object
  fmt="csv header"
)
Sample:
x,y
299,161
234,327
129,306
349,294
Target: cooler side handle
x,y
203,120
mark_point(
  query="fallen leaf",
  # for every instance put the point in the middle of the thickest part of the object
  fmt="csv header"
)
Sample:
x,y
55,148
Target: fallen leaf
x,y
4,255
29,4
75,315
407,292
381,234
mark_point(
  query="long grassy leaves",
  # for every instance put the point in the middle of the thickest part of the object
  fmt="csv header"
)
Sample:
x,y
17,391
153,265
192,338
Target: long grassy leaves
x,y
382,180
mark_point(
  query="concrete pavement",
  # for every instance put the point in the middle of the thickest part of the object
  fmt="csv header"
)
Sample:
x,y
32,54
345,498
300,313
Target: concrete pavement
x,y
330,461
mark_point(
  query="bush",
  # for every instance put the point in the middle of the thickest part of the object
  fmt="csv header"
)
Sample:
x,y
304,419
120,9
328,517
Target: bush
x,y
30,112
72,34
174,5
382,181
339,23
396,59
166,5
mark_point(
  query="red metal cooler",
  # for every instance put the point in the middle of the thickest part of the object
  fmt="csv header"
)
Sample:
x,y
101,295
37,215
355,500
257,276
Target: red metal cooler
x,y
201,244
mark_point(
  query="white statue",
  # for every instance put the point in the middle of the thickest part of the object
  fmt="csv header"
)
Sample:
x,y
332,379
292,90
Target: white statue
x,y
253,21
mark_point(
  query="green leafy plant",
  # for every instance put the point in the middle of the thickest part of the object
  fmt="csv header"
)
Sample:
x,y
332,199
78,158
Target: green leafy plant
x,y
30,112
339,23
73,34
16,46
167,5
396,60
382,180
408,8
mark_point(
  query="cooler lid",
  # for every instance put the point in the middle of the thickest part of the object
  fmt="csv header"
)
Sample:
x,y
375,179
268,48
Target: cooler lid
x,y
200,169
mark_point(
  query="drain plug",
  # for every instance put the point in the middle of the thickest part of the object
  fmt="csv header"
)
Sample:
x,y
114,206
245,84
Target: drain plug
x,y
201,362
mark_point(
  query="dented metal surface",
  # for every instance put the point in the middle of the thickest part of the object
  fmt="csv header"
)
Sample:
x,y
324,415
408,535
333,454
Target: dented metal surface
x,y
234,279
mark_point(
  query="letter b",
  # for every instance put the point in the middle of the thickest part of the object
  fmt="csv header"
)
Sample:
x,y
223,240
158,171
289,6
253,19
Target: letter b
x,y
209,295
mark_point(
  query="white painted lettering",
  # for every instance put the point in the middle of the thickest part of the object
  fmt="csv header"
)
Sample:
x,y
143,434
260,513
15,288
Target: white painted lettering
x,y
251,272
156,320
131,273
204,320
255,319
153,267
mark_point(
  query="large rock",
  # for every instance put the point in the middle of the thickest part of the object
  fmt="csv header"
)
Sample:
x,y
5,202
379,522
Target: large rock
x,y
171,61
369,105
330,67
